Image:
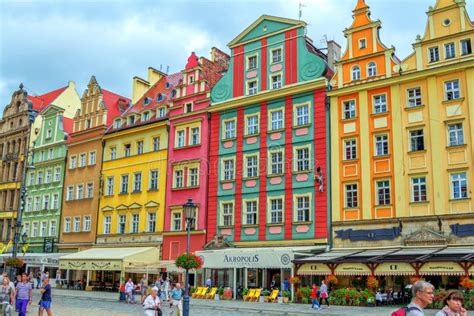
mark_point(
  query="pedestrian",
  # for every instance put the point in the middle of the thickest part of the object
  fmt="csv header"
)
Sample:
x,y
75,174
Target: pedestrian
x,y
31,279
208,282
273,283
176,300
58,276
7,296
167,288
129,288
286,285
390,298
143,286
152,303
453,304
378,298
423,294
45,302
38,279
323,293
24,296
314,297
17,280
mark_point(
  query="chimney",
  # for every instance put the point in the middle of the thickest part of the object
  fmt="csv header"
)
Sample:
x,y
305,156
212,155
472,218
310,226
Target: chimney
x,y
334,54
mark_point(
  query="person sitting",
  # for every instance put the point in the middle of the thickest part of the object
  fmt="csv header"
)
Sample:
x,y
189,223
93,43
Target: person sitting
x,y
453,304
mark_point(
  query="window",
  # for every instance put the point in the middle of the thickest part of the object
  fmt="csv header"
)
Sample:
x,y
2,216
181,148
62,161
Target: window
x,y
302,159
137,182
124,183
67,225
70,192
190,79
459,185
188,108
252,87
89,123
117,123
228,169
51,153
372,69
276,162
362,43
80,191
466,48
161,112
32,178
49,176
302,209
77,224
126,149
434,54
456,134
57,174
193,177
276,81
276,211
418,189
383,192
251,212
29,204
451,90
113,153
82,160
381,145
177,221
86,225
49,133
180,139
43,229
351,196
122,221
134,224
350,149
229,129
107,224
90,190
355,73
227,214
146,116
52,228
276,55
380,103
349,109
277,120
151,225
449,50
178,179
302,115
156,143
252,62
37,203
131,120
414,97
34,231
26,229
252,166
73,162
109,190
139,147
252,124
92,159
55,201
153,180
417,141
46,202
194,135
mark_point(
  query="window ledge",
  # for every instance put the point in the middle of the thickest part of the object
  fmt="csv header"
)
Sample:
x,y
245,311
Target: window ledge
x,y
411,152
271,131
419,202
350,160
251,135
275,224
123,193
352,119
249,226
275,175
453,100
153,190
351,208
187,146
302,126
250,178
459,199
303,223
383,205
414,108
302,172
381,156
225,226
135,192
184,188
456,146
228,139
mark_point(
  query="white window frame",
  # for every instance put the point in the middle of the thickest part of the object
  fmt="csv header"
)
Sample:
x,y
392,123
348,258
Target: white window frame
x,y
228,174
276,81
252,124
299,209
178,178
274,53
90,190
380,103
92,158
135,224
383,192
414,137
137,182
180,138
86,223
121,223
253,167
67,225
113,153
123,184
176,220
449,50
414,97
107,225
252,87
381,145
452,90
455,134
351,195
372,69
302,163
350,149
250,65
466,49
52,228
227,213
109,190
433,54
250,212
458,182
76,227
154,180
355,73
302,117
275,213
349,109
195,138
418,189
70,193
276,123
229,133
149,221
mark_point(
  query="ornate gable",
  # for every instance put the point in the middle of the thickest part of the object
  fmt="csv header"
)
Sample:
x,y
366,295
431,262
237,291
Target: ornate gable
x,y
426,237
218,242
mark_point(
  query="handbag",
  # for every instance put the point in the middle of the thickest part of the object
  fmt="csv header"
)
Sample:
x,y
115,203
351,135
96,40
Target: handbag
x,y
324,295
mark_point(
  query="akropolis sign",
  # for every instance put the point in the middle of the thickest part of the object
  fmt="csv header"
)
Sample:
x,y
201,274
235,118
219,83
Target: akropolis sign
x,y
247,259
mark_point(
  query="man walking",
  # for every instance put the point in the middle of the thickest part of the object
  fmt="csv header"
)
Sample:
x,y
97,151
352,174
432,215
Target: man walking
x,y
423,295
24,296
143,286
45,303
176,300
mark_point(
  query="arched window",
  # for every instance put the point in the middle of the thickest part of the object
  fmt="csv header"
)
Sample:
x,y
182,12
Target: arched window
x,y
356,73
372,69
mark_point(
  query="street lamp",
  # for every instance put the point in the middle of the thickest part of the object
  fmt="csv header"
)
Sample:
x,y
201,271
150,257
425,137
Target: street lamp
x,y
189,213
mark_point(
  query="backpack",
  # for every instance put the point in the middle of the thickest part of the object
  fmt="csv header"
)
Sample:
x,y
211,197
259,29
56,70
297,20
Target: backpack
x,y
402,311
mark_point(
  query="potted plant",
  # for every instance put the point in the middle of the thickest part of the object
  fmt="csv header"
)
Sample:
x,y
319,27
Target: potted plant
x,y
220,293
14,262
372,282
245,292
286,296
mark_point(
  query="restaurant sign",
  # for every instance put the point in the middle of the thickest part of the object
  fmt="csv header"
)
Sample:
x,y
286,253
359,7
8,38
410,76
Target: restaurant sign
x,y
246,259
395,268
314,269
99,265
352,269
441,268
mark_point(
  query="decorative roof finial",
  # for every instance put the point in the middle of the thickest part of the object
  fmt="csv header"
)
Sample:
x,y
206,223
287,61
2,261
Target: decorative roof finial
x,y
360,5
21,86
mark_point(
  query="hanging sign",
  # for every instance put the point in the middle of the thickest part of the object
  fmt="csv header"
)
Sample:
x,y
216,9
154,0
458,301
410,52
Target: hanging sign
x,y
395,268
352,269
314,269
441,268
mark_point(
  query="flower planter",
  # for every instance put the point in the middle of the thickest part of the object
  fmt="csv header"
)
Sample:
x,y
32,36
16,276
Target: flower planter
x,y
285,300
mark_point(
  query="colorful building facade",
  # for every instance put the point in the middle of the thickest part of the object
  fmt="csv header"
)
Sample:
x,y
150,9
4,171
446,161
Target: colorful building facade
x,y
267,185
80,200
188,149
44,182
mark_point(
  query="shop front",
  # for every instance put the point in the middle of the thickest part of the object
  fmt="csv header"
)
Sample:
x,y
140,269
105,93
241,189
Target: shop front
x,y
37,262
252,267
105,268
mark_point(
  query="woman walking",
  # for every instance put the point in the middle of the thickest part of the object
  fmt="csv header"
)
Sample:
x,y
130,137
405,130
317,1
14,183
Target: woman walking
x,y
152,303
453,304
7,297
24,296
324,293
314,297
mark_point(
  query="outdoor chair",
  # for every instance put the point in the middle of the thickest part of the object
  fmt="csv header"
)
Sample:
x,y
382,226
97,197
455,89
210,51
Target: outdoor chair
x,y
198,291
211,294
256,296
249,295
273,297
203,292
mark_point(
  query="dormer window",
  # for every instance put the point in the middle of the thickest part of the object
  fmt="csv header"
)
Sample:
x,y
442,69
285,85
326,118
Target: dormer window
x,y
173,93
190,79
372,69
362,43
146,101
188,107
160,97
146,116
355,73
161,112
117,123
131,120
168,85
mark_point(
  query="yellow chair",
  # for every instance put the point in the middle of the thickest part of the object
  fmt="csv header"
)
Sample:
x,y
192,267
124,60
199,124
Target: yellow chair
x,y
249,295
211,294
273,297
198,291
203,293
256,296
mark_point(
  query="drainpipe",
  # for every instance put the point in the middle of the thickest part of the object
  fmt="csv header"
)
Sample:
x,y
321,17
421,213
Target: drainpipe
x,y
328,171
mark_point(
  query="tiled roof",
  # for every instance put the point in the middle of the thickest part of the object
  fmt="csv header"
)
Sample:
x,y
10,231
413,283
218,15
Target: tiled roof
x,y
40,102
113,105
68,124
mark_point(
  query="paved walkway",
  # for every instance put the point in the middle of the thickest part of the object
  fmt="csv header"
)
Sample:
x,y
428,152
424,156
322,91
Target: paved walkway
x,y
227,308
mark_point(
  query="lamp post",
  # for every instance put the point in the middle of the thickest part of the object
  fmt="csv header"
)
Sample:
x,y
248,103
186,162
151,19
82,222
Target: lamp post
x,y
189,213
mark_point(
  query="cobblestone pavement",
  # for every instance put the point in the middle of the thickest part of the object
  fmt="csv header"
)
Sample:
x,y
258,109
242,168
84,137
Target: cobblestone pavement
x,y
78,303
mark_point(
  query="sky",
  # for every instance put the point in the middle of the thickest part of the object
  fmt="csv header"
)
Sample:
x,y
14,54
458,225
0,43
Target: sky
x,y
46,43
